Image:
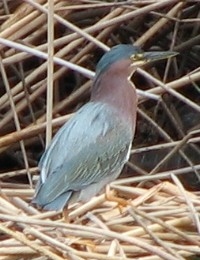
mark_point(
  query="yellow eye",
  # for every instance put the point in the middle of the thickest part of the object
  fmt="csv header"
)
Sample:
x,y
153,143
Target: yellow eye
x,y
137,57
140,56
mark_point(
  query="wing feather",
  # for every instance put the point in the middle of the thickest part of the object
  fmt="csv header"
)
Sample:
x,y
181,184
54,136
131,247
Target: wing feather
x,y
89,147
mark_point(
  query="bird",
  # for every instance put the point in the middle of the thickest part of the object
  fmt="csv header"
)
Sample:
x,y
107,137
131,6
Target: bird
x,y
91,148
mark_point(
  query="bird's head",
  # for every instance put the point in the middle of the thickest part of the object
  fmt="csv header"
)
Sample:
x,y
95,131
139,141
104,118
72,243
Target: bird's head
x,y
112,84
134,57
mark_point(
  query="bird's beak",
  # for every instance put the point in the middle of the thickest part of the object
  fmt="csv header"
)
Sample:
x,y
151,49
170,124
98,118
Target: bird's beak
x,y
158,55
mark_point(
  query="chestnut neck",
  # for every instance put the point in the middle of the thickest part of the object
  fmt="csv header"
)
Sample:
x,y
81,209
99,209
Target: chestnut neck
x,y
114,88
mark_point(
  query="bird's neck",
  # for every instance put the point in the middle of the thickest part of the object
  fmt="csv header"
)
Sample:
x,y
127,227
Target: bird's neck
x,y
119,93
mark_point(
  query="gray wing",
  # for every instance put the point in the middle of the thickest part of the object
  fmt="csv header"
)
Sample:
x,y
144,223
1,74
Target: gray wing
x,y
89,147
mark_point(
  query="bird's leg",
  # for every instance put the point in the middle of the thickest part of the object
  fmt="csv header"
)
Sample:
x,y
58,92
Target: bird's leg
x,y
65,215
110,195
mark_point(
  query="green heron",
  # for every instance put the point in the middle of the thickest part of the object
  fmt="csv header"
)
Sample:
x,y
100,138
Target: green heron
x,y
90,150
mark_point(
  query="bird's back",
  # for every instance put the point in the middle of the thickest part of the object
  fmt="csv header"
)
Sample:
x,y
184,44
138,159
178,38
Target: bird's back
x,y
91,147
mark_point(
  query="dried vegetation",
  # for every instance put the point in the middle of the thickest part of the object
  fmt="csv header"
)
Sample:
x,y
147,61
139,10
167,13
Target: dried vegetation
x,y
161,181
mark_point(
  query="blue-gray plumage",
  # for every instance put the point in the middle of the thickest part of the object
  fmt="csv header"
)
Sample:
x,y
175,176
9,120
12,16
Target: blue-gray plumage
x,y
119,52
90,150
93,148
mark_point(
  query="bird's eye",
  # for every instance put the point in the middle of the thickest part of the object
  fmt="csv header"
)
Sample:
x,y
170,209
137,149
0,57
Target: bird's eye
x,y
137,57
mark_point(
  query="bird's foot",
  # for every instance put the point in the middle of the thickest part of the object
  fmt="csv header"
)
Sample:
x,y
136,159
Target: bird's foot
x,y
111,196
65,215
